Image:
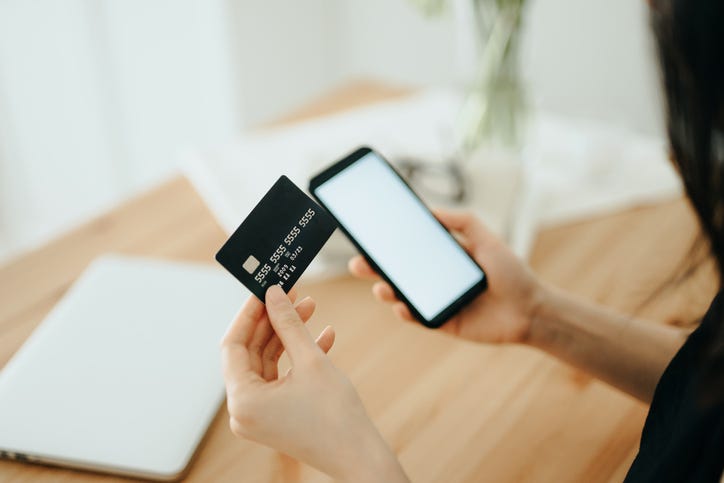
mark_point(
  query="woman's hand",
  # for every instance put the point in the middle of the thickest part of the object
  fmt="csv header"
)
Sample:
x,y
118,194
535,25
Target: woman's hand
x,y
504,312
312,413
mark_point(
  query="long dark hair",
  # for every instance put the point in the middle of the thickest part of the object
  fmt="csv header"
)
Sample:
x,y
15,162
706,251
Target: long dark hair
x,y
690,42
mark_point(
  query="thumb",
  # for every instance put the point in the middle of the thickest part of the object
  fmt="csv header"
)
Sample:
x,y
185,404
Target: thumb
x,y
287,324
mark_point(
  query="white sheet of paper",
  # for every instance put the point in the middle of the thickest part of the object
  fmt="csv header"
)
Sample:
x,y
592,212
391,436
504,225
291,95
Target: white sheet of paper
x,y
569,168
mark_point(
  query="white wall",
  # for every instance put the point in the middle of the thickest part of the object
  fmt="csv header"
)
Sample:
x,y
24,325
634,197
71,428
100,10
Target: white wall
x,y
52,118
390,39
593,58
98,96
97,99
286,52
588,58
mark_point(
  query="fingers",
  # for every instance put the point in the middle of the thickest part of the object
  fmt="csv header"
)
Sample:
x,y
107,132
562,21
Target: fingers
x,y
265,336
236,364
287,324
305,308
264,330
274,348
401,311
235,359
383,292
359,267
242,327
325,341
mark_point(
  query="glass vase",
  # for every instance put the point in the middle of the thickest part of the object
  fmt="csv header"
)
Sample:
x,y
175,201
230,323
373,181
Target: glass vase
x,y
494,108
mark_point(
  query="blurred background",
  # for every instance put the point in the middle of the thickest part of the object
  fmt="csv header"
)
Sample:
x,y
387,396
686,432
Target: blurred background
x,y
98,98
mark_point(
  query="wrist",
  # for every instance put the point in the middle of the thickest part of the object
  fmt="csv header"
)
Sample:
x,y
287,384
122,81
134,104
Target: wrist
x,y
542,304
374,461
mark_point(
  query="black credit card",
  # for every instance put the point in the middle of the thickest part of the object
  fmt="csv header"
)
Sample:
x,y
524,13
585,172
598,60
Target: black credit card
x,y
278,240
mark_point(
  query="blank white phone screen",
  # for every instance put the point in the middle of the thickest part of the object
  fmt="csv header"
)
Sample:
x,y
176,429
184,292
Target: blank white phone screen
x,y
400,234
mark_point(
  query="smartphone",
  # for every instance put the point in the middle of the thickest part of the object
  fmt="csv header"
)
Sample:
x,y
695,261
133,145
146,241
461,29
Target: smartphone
x,y
399,236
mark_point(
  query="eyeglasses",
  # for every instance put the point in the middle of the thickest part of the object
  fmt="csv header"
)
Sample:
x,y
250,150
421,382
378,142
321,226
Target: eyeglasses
x,y
442,181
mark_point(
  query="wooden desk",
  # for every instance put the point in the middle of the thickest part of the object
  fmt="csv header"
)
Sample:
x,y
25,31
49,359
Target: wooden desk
x,y
453,411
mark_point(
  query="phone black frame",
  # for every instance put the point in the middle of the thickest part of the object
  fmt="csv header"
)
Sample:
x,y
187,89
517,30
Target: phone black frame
x,y
451,309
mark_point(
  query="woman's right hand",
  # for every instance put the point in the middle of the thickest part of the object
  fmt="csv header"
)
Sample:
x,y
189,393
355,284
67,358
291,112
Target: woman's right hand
x,y
504,312
312,412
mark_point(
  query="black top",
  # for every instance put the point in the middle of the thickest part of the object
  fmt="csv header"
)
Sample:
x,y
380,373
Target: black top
x,y
683,438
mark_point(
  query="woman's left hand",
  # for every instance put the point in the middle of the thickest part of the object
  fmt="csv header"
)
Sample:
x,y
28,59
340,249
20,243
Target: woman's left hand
x,y
312,413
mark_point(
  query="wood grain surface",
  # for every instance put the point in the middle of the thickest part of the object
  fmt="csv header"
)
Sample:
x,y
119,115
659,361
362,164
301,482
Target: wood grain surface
x,y
453,411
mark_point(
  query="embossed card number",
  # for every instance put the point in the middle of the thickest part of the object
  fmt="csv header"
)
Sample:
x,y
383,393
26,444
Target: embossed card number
x,y
278,240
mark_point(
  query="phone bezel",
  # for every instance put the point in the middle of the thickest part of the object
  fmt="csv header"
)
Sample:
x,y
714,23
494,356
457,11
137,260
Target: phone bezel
x,y
333,170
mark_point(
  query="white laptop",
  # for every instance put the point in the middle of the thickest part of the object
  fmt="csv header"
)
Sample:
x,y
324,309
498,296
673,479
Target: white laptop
x,y
123,376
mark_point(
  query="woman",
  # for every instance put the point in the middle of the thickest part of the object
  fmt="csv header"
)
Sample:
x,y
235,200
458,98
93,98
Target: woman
x,y
314,414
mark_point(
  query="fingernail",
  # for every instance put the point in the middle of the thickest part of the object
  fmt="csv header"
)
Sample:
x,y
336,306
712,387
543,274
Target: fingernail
x,y
275,294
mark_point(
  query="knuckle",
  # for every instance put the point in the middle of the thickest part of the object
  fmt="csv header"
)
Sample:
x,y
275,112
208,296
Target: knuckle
x,y
255,346
244,418
240,427
269,356
315,360
236,428
288,319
